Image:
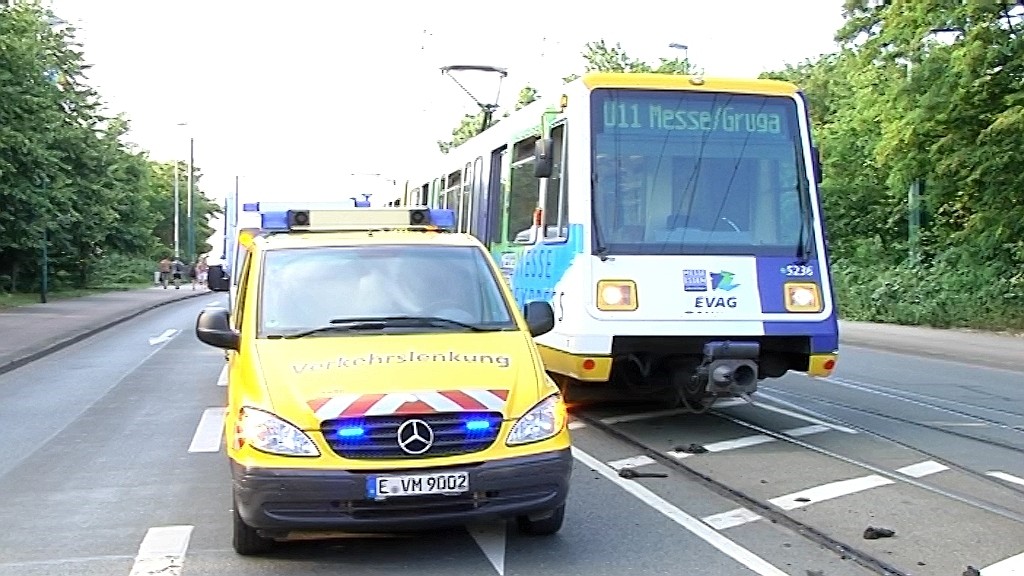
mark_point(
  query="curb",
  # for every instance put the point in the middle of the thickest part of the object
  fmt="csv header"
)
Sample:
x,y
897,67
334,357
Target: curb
x,y
50,349
977,360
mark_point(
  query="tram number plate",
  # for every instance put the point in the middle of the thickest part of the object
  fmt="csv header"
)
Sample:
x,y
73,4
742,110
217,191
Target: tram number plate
x,y
381,487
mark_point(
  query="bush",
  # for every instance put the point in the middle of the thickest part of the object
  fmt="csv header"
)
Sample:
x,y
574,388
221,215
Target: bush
x,y
952,290
117,271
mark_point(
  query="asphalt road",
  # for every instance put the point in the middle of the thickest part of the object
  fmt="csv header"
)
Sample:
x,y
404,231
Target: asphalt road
x,y
111,466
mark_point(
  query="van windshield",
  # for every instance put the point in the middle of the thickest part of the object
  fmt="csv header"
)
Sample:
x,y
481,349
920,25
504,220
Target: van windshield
x,y
308,288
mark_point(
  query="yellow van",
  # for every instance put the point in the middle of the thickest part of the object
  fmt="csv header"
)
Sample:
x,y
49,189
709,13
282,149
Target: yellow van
x,y
381,379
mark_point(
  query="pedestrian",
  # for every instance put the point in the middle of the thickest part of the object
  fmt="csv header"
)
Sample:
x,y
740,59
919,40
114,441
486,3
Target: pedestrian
x,y
202,271
177,270
165,271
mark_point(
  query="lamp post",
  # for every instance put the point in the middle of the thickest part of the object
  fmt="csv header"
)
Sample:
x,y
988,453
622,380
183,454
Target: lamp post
x,y
686,53
177,204
191,221
488,109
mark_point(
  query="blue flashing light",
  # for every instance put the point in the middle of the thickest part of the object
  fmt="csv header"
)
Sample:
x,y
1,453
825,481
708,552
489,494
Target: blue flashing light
x,y
477,425
351,432
274,220
251,207
442,217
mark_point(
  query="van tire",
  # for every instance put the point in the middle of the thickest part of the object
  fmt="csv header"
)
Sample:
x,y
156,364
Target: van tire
x,y
245,539
544,527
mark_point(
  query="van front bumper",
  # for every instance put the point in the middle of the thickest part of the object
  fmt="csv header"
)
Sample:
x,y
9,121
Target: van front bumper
x,y
277,501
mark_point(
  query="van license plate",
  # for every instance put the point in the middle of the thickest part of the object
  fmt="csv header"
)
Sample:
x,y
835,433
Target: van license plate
x,y
381,487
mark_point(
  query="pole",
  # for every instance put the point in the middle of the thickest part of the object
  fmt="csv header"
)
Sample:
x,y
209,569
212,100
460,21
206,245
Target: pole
x,y
191,224
177,210
45,268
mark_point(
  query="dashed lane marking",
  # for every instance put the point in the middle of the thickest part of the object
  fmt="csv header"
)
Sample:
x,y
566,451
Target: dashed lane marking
x,y
1006,477
222,380
731,518
753,440
829,491
209,432
922,469
1012,566
633,462
162,551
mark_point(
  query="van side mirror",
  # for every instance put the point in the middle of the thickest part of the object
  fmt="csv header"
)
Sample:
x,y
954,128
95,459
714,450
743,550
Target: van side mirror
x,y
214,328
540,317
543,161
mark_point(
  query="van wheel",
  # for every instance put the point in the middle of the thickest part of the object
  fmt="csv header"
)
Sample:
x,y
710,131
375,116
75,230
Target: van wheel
x,y
544,527
245,540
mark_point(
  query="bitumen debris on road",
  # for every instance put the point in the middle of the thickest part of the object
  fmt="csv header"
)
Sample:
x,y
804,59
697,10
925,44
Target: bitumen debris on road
x,y
31,332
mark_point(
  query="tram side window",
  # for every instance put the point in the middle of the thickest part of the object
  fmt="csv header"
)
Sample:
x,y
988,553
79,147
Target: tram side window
x,y
524,193
498,195
452,193
465,208
556,205
436,199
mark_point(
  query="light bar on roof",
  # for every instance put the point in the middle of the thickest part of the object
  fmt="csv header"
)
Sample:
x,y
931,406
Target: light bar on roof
x,y
359,219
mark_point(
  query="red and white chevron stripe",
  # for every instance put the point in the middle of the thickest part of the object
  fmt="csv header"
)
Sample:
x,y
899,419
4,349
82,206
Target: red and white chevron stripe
x,y
401,403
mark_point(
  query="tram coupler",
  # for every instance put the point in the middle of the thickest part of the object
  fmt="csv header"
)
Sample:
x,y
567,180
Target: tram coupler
x,y
729,367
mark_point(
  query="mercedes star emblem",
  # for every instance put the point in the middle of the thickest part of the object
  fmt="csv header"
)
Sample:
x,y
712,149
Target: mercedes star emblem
x,y
415,437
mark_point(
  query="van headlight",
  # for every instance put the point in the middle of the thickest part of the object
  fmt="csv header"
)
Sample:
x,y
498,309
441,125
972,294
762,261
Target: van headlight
x,y
268,433
541,422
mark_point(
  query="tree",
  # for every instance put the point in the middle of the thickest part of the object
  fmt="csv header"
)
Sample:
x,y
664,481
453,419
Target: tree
x,y
67,178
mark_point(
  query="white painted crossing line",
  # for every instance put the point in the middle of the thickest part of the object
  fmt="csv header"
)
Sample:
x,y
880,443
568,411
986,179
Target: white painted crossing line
x,y
165,337
731,518
1012,566
623,418
577,424
633,462
754,440
1006,477
922,469
209,432
222,380
731,549
830,491
162,551
740,516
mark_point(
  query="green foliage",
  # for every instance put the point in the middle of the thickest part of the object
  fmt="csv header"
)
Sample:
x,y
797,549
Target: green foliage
x,y
896,105
66,172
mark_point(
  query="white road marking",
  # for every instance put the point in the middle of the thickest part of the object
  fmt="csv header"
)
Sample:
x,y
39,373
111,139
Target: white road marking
x,y
162,551
632,462
695,526
623,418
165,337
731,518
1007,477
798,415
922,469
209,432
577,424
753,440
222,380
1012,566
490,537
830,491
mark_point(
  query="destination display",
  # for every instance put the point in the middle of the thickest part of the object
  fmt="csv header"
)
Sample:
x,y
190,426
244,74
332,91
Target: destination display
x,y
644,111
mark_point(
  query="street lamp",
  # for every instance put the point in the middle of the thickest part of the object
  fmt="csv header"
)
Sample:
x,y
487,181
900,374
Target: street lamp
x,y
684,48
177,204
488,109
191,184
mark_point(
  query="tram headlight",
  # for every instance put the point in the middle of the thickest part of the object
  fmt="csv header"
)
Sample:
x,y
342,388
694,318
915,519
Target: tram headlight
x,y
802,297
616,295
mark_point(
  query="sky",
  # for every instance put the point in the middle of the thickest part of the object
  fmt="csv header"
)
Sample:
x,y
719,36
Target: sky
x,y
307,99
